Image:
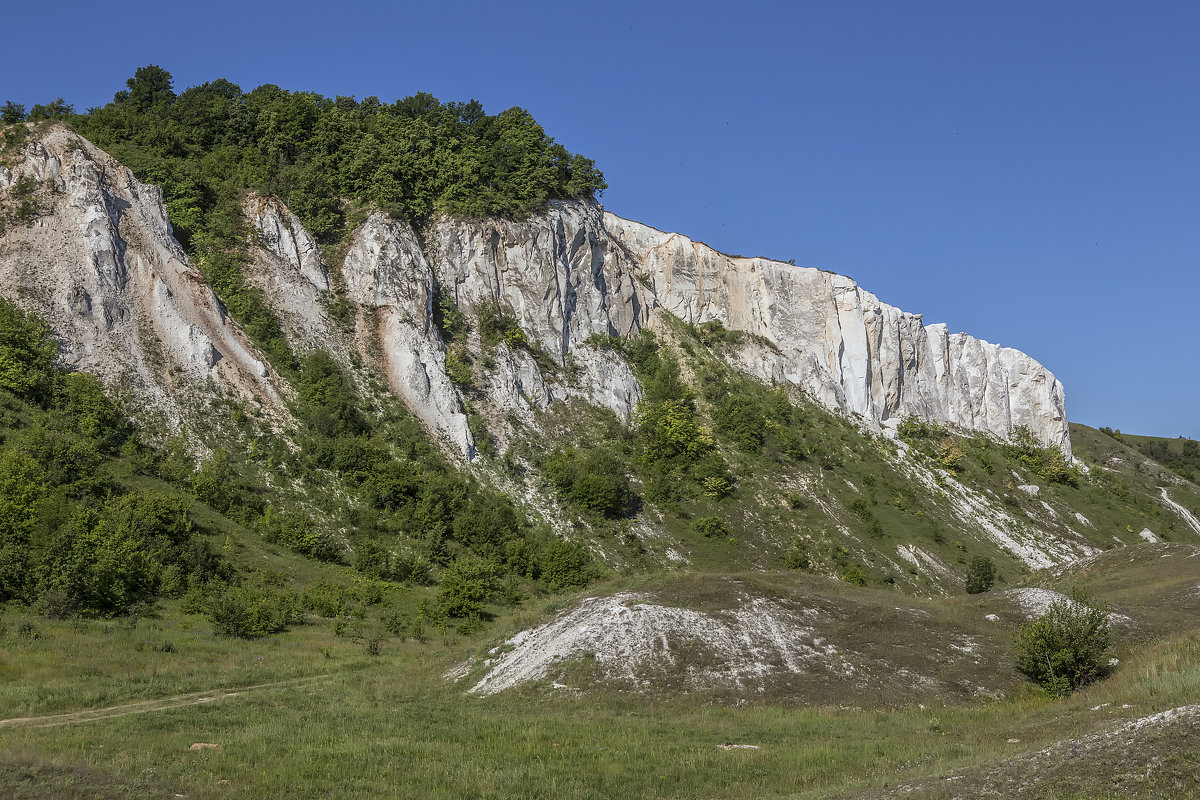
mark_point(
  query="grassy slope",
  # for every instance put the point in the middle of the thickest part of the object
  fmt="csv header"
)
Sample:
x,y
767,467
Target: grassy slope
x,y
857,498
387,726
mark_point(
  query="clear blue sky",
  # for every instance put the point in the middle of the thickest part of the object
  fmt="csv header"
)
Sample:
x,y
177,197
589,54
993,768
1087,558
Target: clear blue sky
x,y
1028,172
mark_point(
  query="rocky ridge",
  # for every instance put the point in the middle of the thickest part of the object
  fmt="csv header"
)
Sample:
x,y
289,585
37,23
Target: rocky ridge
x,y
101,264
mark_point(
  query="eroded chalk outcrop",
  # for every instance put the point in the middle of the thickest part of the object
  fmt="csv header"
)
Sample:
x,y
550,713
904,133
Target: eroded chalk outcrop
x,y
101,266
857,355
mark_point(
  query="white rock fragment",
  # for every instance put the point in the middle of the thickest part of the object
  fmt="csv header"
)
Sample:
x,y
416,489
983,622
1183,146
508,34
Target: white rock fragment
x,y
1030,489
1148,535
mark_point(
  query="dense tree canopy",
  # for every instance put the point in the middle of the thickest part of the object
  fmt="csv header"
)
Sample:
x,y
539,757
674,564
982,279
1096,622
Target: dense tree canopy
x,y
415,157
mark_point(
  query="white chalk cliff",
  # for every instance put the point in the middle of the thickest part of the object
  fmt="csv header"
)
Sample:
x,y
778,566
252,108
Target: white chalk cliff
x,y
101,266
842,345
99,263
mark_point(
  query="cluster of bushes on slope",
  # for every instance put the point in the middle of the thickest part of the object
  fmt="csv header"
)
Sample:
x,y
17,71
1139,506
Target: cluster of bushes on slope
x,y
75,538
72,537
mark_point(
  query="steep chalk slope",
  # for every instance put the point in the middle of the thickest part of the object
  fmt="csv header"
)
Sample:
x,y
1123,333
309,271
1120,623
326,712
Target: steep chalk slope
x,y
99,263
846,348
389,282
575,271
102,266
560,275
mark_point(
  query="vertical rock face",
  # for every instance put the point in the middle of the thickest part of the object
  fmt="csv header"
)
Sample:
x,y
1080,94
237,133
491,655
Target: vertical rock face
x,y
821,331
564,279
101,266
385,270
286,267
281,232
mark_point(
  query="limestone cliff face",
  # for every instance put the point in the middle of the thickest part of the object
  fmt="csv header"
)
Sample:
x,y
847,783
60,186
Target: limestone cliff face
x,y
575,270
386,271
99,263
823,332
564,279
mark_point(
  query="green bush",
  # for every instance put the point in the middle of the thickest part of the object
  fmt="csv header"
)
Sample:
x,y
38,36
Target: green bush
x,y
496,326
1048,462
711,527
855,575
598,483
981,574
467,585
565,564
251,612
27,353
1065,648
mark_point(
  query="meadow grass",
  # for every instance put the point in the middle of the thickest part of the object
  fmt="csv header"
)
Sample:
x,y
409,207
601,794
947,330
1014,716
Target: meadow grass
x,y
392,726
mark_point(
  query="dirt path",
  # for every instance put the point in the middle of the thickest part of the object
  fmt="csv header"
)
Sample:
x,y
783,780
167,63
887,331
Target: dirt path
x,y
147,706
1188,516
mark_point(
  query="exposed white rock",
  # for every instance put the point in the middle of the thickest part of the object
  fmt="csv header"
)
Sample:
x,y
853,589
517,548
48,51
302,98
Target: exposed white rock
x,y
630,638
102,268
1030,489
563,278
287,268
281,232
842,345
1148,535
1188,516
928,564
1035,602
385,269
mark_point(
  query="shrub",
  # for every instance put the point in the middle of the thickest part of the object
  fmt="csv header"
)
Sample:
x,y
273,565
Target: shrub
x,y
1048,462
981,574
855,575
1065,648
743,420
711,527
27,353
467,585
565,564
496,326
251,613
597,483
949,454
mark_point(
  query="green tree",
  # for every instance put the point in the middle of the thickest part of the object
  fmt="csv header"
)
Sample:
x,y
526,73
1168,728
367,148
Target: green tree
x,y
150,86
1065,648
981,574
27,353
12,113
467,585
56,109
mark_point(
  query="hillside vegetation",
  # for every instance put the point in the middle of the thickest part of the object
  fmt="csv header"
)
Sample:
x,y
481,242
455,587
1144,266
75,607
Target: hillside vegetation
x,y
313,602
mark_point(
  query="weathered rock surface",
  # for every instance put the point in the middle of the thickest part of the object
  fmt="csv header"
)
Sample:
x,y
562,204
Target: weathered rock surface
x,y
101,266
576,271
286,267
563,278
842,345
385,270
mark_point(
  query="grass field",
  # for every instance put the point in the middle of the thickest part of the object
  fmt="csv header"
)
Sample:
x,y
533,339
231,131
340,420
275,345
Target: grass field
x,y
327,719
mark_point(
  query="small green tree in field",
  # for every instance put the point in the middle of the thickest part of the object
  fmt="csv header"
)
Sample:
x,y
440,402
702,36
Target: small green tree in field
x,y
1065,648
981,574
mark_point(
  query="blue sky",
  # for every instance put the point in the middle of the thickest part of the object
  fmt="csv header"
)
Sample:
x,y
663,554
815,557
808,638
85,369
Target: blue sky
x,y
1028,172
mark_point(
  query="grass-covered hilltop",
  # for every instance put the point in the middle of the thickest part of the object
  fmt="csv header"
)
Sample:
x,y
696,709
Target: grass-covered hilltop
x,y
351,449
